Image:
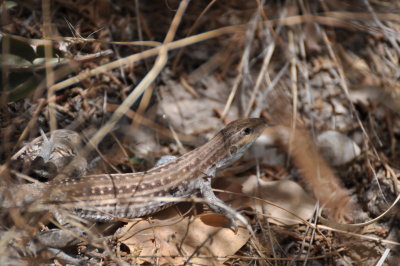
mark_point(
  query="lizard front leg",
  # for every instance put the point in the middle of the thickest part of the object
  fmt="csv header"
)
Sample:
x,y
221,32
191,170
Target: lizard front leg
x,y
215,203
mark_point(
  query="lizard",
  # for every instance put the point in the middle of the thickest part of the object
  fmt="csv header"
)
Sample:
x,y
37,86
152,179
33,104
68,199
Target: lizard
x,y
109,197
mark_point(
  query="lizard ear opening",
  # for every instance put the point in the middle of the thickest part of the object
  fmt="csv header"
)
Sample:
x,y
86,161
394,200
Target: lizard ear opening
x,y
232,150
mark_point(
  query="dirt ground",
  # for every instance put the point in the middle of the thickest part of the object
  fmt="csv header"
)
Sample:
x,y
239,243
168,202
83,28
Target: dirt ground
x,y
131,81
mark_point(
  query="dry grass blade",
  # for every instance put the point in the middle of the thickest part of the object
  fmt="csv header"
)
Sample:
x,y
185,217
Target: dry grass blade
x,y
144,79
49,70
143,85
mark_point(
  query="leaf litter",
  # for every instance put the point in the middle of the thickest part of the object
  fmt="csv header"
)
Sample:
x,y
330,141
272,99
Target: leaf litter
x,y
336,104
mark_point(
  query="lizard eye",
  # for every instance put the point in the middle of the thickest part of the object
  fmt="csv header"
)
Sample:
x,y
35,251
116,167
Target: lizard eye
x,y
247,131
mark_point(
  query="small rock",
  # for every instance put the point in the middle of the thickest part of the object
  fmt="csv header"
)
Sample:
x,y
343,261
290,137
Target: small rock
x,y
337,148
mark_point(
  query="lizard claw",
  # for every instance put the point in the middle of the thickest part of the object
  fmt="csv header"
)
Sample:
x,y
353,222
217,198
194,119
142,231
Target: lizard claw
x,y
234,226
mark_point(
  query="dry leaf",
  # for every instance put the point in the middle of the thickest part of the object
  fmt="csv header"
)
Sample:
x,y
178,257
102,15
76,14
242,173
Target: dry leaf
x,y
285,193
174,241
191,115
315,172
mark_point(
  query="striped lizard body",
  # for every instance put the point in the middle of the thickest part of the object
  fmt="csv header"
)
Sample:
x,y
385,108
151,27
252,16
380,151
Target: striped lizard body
x,y
106,197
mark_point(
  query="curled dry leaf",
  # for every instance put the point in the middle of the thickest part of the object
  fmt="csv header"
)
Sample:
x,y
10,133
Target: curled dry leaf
x,y
174,241
337,148
284,193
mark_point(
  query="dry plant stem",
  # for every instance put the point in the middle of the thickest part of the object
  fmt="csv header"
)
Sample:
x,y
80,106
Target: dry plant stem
x,y
293,83
24,133
367,237
41,42
139,21
192,28
305,74
25,177
139,25
31,123
312,225
132,233
265,220
323,20
260,77
136,121
188,87
104,158
145,83
289,259
146,54
335,227
260,249
198,247
386,30
142,86
375,175
343,83
361,16
345,88
5,51
235,86
176,138
206,36
59,73
218,60
352,227
392,175
263,71
334,19
120,145
146,122
48,51
260,9
383,257
314,171
243,62
312,237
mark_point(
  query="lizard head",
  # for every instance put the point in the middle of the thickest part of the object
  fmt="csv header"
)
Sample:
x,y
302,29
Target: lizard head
x,y
238,136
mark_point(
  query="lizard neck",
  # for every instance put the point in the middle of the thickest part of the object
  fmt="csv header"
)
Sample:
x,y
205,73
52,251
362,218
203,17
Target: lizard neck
x,y
202,160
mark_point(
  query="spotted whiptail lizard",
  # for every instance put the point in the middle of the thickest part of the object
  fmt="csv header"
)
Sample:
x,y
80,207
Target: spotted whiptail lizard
x,y
107,197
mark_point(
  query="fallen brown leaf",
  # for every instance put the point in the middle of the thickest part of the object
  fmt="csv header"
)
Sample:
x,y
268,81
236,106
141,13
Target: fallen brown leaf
x,y
284,193
188,239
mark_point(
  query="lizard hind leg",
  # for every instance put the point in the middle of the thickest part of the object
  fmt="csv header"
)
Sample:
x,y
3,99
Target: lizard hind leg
x,y
72,230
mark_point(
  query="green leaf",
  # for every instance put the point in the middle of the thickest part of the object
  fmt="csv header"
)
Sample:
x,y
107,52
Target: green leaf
x,y
24,89
19,48
9,4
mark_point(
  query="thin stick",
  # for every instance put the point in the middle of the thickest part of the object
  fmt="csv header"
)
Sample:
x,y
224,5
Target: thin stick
x,y
135,94
48,51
